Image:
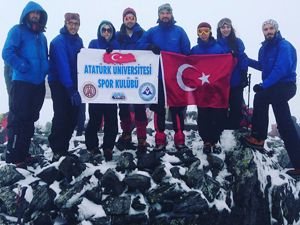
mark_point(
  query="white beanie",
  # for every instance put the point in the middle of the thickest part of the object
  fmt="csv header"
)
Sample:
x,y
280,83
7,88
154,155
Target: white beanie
x,y
272,23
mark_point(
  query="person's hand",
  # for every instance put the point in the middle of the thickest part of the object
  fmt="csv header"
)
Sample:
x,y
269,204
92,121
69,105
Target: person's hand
x,y
109,49
74,96
257,88
154,48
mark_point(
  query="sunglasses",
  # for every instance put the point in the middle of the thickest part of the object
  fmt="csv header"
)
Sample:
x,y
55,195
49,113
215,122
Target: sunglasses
x,y
202,32
129,18
103,30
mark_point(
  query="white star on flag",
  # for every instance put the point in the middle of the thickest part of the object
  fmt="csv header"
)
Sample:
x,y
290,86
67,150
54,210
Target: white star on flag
x,y
204,78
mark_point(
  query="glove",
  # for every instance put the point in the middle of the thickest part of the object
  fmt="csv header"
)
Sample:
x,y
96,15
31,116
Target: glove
x,y
74,96
257,88
108,49
244,78
154,48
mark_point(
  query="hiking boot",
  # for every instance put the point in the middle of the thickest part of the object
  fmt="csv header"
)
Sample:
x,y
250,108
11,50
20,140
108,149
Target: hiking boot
x,y
207,148
94,151
125,142
216,149
293,172
108,153
28,161
159,147
252,142
142,145
182,147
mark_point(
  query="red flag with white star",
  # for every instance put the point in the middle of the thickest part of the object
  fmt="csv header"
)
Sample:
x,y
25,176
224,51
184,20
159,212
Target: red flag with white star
x,y
201,80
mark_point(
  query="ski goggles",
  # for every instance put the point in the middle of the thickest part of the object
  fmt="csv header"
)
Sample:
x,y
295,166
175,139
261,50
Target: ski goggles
x,y
202,32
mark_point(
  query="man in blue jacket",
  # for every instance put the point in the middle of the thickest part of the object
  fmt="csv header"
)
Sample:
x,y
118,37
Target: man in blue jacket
x,y
25,50
63,84
277,59
167,36
128,37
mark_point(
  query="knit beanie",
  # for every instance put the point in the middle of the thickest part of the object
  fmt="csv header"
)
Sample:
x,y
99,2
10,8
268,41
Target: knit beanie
x,y
165,6
204,24
272,23
129,11
224,21
72,16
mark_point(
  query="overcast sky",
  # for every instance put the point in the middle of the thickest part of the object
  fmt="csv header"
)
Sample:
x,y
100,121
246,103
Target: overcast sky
x,y
247,17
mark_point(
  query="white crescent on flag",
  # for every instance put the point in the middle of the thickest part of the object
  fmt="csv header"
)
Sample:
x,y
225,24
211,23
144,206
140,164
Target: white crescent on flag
x,y
179,77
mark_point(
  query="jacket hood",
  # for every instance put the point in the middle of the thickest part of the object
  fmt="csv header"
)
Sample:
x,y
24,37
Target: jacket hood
x,y
33,6
109,24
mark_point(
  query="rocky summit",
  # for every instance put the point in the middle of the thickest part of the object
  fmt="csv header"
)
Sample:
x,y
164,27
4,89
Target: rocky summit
x,y
238,186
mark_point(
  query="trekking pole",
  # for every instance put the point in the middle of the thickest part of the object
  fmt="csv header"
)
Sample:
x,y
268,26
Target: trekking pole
x,y
249,89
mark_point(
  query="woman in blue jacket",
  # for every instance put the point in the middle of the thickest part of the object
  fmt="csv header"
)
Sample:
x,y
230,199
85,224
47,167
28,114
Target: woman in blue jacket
x,y
106,40
231,44
210,120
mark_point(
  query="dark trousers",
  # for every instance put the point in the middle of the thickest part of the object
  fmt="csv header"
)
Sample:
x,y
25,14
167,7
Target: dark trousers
x,y
64,119
81,118
96,113
277,96
26,101
177,114
211,124
8,77
235,115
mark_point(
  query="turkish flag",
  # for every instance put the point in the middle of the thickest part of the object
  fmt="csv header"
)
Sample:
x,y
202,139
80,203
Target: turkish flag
x,y
202,80
118,58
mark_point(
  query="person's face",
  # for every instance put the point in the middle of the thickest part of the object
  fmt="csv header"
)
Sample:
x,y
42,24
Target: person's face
x,y
129,20
269,31
225,30
106,32
72,26
165,16
204,33
34,16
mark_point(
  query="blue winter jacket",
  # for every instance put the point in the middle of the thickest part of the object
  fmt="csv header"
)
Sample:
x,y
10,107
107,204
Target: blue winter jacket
x,y
171,38
63,58
168,38
242,63
126,42
277,59
204,48
101,43
26,51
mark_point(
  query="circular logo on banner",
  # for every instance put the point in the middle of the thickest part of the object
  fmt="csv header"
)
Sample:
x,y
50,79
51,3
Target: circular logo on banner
x,y
147,91
89,90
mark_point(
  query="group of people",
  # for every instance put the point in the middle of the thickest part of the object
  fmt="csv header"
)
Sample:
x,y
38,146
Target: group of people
x,y
26,52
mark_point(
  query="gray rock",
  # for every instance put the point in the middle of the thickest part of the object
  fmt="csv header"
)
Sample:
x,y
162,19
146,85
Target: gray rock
x,y
117,205
126,162
111,183
158,174
191,202
137,182
9,175
194,176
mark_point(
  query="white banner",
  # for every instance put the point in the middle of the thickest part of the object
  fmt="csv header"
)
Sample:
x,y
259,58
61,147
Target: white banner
x,y
119,77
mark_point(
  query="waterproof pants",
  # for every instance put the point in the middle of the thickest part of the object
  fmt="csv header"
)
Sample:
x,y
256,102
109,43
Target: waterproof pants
x,y
277,96
26,101
64,119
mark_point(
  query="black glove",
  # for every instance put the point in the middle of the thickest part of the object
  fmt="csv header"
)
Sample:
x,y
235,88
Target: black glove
x,y
109,49
74,96
257,88
244,78
154,48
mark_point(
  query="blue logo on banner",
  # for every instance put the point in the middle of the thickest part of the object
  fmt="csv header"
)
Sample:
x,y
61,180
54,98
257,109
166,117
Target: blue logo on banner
x,y
147,91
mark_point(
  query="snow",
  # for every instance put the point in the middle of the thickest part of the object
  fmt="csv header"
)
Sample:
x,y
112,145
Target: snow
x,y
88,209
